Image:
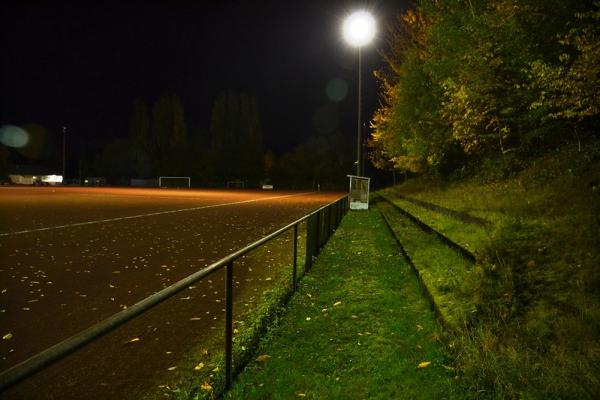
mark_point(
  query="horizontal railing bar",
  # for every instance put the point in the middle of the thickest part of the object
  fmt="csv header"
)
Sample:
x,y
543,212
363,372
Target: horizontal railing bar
x,y
62,349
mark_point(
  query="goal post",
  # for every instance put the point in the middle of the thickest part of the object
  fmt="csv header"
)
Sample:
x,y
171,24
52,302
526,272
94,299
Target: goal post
x,y
174,182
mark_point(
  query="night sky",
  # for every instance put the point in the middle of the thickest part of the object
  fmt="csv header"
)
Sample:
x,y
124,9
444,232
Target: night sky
x,y
83,65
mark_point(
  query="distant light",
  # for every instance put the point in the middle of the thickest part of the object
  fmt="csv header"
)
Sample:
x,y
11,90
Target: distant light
x,y
359,28
52,179
13,136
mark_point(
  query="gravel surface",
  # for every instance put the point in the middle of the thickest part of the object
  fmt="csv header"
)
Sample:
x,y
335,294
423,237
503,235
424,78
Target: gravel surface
x,y
70,257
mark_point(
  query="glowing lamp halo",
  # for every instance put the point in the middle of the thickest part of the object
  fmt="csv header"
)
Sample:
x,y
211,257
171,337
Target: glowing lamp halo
x,y
359,28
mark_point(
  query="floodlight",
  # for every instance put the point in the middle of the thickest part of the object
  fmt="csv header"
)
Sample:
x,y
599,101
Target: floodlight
x,y
359,28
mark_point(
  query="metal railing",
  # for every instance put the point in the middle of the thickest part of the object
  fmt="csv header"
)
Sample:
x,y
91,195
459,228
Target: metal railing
x,y
320,225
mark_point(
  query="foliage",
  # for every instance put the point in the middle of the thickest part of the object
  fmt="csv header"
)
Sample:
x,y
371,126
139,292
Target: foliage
x,y
569,88
236,138
323,160
473,79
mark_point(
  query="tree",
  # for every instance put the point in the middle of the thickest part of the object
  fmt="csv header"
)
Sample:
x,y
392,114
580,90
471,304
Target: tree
x,y
236,137
169,137
139,140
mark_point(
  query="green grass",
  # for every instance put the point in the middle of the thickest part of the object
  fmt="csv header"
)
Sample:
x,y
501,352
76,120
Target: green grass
x,y
448,276
537,285
469,236
357,328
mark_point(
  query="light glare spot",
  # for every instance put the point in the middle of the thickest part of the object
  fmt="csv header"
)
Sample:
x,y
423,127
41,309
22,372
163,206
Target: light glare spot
x,y
13,136
337,89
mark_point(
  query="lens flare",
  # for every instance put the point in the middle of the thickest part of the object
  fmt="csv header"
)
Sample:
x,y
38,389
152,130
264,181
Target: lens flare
x,y
13,136
337,89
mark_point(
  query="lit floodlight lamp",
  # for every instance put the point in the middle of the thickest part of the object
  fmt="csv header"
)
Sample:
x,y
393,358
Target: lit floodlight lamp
x,y
359,28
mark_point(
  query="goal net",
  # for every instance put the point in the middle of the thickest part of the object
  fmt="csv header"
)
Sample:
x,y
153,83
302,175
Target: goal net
x,y
174,181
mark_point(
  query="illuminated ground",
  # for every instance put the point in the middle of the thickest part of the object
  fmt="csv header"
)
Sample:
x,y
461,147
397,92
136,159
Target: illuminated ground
x,y
71,257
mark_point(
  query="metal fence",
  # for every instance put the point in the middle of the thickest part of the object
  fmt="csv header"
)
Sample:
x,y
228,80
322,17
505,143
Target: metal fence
x,y
321,223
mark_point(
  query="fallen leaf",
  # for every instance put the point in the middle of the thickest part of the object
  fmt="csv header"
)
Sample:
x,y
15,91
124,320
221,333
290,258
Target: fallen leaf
x,y
206,386
263,357
172,368
135,339
301,394
308,318
7,336
199,367
204,352
424,364
419,327
337,303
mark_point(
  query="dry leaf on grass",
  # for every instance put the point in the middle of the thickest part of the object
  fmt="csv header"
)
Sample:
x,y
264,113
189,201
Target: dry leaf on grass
x,y
263,357
135,339
337,303
424,364
7,336
206,386
199,367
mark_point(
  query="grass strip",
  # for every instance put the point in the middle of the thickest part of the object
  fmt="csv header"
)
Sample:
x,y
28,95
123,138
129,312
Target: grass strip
x,y
358,327
449,277
469,236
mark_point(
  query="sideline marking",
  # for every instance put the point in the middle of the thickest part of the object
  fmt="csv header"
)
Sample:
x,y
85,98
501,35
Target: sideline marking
x,y
101,221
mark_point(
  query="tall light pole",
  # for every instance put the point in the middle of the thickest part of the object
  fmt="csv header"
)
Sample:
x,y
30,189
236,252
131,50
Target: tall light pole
x,y
359,30
64,153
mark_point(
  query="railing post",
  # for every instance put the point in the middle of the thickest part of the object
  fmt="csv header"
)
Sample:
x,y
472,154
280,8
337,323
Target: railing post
x,y
228,325
295,262
318,241
309,244
329,220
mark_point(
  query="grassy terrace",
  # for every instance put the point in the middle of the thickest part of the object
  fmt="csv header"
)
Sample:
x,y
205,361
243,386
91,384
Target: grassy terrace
x,y
469,236
448,276
358,327
536,282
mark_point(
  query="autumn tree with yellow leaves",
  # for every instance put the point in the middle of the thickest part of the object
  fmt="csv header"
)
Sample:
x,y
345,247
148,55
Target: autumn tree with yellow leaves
x,y
475,79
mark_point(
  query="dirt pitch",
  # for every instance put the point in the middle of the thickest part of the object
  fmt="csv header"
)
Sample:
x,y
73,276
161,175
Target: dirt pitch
x,y
70,257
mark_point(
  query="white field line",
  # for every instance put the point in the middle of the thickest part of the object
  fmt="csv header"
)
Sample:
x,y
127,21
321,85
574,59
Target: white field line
x,y
102,221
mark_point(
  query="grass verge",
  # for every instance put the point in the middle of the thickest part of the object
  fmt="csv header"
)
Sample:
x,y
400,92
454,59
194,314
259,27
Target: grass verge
x,y
469,236
537,285
358,327
445,272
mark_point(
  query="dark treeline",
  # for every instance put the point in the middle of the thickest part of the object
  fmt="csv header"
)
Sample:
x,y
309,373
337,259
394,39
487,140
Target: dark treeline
x,y
487,84
230,149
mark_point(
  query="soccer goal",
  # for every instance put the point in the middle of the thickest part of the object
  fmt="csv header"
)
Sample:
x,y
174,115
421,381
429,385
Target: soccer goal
x,y
174,182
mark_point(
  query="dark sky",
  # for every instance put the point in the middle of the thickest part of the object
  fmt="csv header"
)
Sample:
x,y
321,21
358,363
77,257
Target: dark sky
x,y
66,63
